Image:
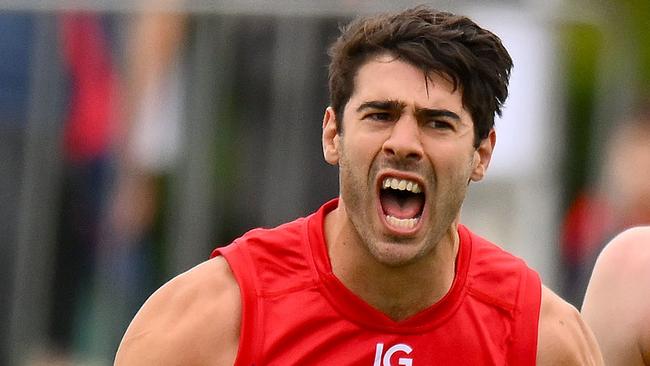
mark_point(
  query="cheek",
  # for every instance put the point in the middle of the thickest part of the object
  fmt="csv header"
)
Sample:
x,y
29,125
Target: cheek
x,y
452,159
358,152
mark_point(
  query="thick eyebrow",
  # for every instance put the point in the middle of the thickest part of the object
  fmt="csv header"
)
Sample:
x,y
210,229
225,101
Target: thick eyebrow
x,y
426,113
397,106
383,105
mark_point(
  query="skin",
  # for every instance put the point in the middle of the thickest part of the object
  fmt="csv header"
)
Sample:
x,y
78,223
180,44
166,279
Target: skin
x,y
192,320
397,123
616,305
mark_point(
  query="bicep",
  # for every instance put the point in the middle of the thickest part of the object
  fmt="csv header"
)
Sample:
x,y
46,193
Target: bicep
x,y
564,338
616,301
601,310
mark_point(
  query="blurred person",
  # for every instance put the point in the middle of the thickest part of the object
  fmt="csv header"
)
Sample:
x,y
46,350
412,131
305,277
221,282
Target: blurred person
x,y
619,200
384,274
145,147
87,135
149,134
617,306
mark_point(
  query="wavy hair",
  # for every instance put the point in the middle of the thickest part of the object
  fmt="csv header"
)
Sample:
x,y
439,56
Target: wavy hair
x,y
474,59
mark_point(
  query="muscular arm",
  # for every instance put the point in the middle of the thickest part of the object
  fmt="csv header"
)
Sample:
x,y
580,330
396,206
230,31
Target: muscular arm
x,y
617,302
564,338
192,320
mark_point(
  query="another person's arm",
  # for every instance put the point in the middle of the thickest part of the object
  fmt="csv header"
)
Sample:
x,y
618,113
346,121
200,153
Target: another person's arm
x,y
564,338
194,319
617,302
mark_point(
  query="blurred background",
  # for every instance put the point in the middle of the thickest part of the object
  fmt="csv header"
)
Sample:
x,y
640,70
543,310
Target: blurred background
x,y
136,136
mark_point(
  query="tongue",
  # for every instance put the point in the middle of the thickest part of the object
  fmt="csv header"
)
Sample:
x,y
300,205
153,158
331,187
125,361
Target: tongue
x,y
401,207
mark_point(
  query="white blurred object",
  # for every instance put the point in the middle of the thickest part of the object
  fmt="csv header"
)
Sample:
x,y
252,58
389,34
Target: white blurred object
x,y
517,205
157,130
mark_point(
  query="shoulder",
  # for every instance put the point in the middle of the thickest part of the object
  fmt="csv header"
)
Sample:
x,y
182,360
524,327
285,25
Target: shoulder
x,y
616,304
269,241
622,266
564,338
621,276
191,320
626,256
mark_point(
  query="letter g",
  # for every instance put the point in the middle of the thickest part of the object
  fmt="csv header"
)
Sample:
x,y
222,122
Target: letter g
x,y
398,348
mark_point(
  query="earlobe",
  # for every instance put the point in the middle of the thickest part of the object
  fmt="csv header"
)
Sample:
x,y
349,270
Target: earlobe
x,y
330,137
482,156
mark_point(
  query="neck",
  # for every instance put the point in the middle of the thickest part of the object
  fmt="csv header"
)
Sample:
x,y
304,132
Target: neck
x,y
397,291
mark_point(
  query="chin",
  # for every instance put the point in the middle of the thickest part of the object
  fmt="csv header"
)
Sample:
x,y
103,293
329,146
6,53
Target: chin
x,y
396,254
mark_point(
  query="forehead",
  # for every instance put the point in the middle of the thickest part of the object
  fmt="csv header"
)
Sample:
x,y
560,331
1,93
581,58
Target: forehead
x,y
385,77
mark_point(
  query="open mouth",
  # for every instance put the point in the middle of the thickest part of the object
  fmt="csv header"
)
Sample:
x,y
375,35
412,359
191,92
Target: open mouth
x,y
402,202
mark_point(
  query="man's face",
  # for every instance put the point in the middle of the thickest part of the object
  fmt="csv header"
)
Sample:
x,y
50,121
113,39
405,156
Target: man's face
x,y
405,159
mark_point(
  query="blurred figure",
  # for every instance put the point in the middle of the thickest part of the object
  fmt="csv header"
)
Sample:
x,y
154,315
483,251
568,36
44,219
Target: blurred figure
x,y
620,200
617,305
145,147
88,131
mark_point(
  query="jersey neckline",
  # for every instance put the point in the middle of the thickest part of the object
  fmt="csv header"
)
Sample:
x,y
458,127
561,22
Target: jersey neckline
x,y
357,310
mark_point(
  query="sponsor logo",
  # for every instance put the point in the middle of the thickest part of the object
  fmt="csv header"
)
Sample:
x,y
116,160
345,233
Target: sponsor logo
x,y
384,359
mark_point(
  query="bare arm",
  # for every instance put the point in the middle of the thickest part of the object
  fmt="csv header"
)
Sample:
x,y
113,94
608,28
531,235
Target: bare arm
x,y
192,320
617,302
564,338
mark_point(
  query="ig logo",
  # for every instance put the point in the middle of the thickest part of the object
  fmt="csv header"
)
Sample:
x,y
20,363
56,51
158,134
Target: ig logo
x,y
385,361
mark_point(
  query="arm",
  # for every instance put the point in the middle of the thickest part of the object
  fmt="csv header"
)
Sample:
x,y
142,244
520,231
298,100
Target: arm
x,y
564,338
617,302
192,320
155,40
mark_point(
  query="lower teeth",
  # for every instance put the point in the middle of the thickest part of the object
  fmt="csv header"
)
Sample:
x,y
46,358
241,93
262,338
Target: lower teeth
x,y
401,223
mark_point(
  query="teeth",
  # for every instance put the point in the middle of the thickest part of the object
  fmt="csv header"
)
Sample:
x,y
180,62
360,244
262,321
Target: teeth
x,y
402,223
401,184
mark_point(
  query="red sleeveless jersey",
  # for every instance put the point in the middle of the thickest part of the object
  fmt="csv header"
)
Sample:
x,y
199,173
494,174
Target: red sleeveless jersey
x,y
296,312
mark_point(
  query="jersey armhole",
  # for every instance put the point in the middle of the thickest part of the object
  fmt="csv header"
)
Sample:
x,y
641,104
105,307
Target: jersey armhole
x,y
250,335
526,326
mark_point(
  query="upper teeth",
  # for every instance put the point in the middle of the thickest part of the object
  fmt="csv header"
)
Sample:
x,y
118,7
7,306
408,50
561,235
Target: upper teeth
x,y
401,184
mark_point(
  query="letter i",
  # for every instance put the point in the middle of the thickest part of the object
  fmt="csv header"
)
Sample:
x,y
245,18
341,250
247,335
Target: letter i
x,y
378,353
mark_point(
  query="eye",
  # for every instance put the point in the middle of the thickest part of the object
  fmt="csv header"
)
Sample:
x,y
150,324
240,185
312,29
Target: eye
x,y
440,124
380,117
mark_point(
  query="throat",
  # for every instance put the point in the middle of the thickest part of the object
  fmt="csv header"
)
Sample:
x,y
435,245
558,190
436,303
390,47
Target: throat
x,y
404,302
401,205
399,293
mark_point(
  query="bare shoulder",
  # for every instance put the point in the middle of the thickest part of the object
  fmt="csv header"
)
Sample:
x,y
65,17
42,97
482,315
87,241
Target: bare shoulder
x,y
626,256
564,338
193,319
617,305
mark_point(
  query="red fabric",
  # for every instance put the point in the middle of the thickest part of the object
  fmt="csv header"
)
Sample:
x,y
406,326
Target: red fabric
x,y
586,227
88,128
296,312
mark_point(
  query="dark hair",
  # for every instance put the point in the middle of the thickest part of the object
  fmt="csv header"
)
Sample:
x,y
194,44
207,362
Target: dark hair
x,y
450,45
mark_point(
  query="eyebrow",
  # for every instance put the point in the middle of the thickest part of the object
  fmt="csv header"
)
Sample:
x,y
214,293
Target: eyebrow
x,y
385,105
428,113
394,105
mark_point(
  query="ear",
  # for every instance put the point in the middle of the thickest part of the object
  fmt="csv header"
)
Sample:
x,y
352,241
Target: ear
x,y
482,156
331,138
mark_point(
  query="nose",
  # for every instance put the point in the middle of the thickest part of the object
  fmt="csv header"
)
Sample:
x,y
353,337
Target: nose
x,y
404,140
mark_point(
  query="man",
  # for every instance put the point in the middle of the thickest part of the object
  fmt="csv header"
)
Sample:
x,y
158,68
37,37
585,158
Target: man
x,y
618,199
384,275
617,306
